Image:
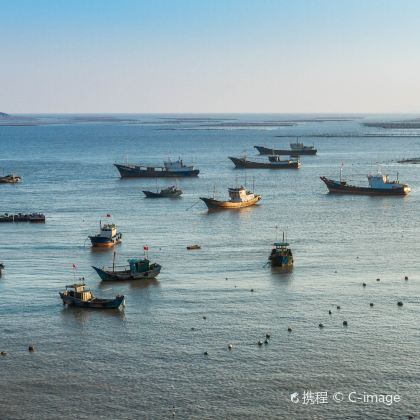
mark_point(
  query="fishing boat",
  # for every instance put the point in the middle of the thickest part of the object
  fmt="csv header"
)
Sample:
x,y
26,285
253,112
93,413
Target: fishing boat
x,y
378,184
10,179
36,218
239,197
77,295
281,255
1,268
108,236
170,169
171,192
296,149
21,217
138,268
274,162
192,247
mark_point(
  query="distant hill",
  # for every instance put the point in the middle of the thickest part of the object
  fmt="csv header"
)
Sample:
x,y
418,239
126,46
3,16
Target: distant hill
x,y
3,115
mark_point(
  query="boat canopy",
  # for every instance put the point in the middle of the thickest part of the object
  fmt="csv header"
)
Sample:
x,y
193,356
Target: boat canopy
x,y
74,286
281,244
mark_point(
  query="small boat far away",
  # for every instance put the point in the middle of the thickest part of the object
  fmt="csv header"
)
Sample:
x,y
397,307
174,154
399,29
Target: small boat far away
x,y
138,268
171,192
170,169
281,255
108,236
378,185
239,197
81,297
10,179
296,149
1,268
274,162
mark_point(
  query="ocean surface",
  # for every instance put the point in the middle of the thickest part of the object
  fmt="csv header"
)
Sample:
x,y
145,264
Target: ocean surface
x,y
147,361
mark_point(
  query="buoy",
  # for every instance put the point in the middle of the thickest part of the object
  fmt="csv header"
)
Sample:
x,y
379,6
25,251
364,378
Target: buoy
x,y
265,341
364,284
400,303
378,279
260,343
406,278
226,278
321,325
230,347
345,323
267,336
371,304
31,348
204,317
338,307
289,329
205,353
3,353
192,329
252,290
330,312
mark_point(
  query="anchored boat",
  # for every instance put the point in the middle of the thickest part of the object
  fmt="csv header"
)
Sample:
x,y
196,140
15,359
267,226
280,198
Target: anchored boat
x,y
171,192
274,162
77,295
239,197
296,149
281,255
138,268
10,179
1,268
108,236
378,185
170,169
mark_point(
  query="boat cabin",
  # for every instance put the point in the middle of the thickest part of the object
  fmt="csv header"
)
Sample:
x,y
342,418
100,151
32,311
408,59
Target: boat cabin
x,y
79,292
240,194
139,265
381,181
108,230
281,248
178,165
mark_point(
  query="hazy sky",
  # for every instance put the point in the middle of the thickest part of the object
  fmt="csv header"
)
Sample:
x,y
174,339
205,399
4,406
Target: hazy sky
x,y
209,56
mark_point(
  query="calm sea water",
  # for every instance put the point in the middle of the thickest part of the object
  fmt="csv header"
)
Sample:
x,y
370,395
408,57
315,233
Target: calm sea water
x,y
146,361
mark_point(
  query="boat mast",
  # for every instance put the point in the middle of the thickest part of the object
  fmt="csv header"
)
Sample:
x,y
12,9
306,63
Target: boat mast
x,y
341,173
113,262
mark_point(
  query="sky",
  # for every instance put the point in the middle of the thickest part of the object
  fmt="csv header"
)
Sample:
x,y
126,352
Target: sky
x,y
209,56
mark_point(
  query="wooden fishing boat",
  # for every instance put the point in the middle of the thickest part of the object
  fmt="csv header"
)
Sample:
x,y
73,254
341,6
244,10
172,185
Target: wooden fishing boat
x,y
296,149
138,268
170,169
77,295
239,197
10,179
274,162
192,247
378,185
108,236
281,255
171,192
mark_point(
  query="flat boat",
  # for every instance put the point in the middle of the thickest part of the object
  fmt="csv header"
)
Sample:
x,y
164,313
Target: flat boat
x,y
77,295
108,236
239,197
176,169
274,162
138,268
10,179
171,192
378,185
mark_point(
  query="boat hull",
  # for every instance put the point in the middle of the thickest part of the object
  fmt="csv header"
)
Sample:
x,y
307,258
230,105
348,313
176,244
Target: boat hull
x,y
137,172
336,187
212,204
108,275
244,163
285,152
94,303
98,241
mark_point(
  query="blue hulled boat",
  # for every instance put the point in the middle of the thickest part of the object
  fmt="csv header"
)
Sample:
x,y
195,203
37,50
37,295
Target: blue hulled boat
x,y
108,236
77,295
